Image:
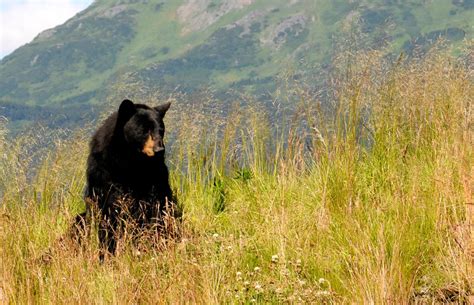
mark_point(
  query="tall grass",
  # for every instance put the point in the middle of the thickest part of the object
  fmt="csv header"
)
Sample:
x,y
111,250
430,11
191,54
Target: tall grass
x,y
362,198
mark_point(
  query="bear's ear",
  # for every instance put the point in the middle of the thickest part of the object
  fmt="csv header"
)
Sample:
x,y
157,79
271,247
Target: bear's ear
x,y
163,108
126,110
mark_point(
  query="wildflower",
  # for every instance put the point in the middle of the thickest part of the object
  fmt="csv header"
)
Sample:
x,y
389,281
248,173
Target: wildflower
x,y
215,235
323,293
239,274
298,262
274,258
258,287
256,269
246,283
323,283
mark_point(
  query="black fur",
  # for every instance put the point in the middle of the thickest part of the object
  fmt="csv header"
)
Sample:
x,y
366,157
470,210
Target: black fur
x,y
119,172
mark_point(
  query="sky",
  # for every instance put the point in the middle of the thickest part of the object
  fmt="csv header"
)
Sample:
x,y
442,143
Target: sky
x,y
23,20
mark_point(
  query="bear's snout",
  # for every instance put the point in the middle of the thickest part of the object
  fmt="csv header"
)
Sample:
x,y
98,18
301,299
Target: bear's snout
x,y
149,147
152,146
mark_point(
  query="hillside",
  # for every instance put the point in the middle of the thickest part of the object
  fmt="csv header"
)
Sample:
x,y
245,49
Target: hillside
x,y
182,46
367,207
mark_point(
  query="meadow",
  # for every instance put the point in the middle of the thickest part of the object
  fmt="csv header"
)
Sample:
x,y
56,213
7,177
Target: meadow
x,y
365,198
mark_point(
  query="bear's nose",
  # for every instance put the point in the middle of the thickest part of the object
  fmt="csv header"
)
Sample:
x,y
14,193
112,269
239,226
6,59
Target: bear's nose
x,y
159,146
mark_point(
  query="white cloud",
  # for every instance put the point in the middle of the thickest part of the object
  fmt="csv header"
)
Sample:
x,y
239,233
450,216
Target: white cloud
x,y
22,20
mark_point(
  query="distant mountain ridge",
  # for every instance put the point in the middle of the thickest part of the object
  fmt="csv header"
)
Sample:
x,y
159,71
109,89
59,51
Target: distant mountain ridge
x,y
190,44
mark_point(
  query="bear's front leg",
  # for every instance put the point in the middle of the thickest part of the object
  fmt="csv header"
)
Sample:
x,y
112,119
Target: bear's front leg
x,y
107,236
110,209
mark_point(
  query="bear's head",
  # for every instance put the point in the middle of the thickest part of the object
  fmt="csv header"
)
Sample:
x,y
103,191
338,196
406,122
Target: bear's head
x,y
142,127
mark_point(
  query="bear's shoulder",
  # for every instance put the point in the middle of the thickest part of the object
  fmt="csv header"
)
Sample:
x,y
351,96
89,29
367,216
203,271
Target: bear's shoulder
x,y
102,138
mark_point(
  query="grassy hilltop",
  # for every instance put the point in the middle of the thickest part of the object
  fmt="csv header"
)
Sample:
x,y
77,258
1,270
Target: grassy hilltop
x,y
366,202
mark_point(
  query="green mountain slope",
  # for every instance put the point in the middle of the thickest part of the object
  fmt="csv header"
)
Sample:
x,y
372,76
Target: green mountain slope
x,y
189,44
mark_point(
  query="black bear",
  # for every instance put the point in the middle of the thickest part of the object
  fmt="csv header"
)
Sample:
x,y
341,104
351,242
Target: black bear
x,y
126,171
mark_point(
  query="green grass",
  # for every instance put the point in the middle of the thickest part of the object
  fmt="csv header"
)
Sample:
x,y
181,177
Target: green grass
x,y
368,205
